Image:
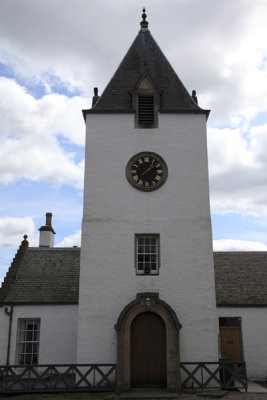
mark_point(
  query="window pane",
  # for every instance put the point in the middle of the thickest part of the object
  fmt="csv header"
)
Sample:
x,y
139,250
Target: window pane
x,y
36,336
35,348
35,359
21,359
28,359
153,241
153,266
140,249
147,241
140,240
22,336
147,249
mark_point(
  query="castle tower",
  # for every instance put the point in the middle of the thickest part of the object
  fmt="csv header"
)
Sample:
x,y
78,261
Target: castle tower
x,y
147,294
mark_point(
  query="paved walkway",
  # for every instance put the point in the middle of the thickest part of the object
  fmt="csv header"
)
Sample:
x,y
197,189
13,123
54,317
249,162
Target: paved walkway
x,y
96,396
254,387
255,392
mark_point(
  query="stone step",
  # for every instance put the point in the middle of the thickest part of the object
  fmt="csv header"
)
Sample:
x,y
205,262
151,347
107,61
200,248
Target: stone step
x,y
148,395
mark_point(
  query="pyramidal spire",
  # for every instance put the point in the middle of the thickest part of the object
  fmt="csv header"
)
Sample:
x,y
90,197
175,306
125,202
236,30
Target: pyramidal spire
x,y
145,55
144,23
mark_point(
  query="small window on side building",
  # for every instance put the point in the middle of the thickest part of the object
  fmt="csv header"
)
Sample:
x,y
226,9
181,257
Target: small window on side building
x,y
28,341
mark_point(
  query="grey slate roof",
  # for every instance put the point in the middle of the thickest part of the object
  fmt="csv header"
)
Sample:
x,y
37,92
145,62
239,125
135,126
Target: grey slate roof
x,y
143,56
43,275
241,278
51,275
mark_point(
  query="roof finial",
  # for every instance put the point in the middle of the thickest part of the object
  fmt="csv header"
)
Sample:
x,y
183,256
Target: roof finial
x,y
144,23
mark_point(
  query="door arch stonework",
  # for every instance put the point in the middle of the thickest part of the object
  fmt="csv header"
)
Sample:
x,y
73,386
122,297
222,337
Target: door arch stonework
x,y
148,302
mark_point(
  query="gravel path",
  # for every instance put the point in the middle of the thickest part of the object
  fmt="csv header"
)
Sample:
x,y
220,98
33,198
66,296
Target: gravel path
x,y
103,396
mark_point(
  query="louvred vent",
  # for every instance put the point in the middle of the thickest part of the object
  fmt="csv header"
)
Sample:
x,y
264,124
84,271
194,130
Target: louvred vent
x,y
146,110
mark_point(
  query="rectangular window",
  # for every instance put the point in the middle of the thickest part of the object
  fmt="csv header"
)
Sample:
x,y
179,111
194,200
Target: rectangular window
x,y
147,254
28,340
146,111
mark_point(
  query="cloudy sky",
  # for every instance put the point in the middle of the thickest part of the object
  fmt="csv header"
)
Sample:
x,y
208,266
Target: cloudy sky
x,y
54,52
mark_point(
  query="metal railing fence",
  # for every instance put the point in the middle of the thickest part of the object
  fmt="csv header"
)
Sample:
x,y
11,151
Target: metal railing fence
x,y
58,377
228,375
197,376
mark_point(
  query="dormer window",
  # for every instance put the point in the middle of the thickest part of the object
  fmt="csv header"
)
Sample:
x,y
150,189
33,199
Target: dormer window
x,y
145,103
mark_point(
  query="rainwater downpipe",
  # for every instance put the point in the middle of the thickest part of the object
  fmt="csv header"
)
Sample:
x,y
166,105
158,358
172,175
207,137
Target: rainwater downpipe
x,y
9,312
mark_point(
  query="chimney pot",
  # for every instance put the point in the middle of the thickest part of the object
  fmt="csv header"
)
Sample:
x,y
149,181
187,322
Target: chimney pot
x,y
49,219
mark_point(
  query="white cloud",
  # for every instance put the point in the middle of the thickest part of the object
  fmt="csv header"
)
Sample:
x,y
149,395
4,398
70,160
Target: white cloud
x,y
222,54
13,229
238,245
72,240
29,131
237,166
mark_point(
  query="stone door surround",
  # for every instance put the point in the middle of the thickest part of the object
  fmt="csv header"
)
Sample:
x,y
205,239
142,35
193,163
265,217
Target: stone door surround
x,y
149,302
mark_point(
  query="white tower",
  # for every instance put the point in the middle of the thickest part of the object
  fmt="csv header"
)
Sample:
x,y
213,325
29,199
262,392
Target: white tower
x,y
147,293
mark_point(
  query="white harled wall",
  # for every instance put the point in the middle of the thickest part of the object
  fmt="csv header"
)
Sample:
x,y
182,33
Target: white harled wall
x,y
58,332
114,211
4,323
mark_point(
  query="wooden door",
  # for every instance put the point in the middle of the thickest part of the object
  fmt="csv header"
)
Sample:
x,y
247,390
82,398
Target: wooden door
x,y
231,343
148,351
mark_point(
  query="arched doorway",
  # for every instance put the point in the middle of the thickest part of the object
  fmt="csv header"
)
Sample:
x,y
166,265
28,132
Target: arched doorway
x,y
131,321
148,351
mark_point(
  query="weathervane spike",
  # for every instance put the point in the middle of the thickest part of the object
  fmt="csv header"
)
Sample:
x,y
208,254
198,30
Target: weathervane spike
x,y
144,23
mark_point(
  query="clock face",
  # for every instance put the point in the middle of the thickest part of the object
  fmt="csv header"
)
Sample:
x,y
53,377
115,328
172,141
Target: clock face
x,y
146,171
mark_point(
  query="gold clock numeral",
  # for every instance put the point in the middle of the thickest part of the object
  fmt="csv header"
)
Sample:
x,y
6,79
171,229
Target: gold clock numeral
x,y
157,177
146,184
146,159
135,165
140,161
136,177
157,165
140,182
159,171
133,171
154,183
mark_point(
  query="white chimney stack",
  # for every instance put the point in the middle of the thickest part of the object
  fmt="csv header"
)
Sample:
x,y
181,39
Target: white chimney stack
x,y
47,233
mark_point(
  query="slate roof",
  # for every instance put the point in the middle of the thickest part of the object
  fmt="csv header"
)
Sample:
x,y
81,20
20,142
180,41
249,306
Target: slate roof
x,y
241,278
42,275
144,55
51,276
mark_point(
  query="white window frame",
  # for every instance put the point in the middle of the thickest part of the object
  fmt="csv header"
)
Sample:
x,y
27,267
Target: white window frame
x,y
28,341
147,254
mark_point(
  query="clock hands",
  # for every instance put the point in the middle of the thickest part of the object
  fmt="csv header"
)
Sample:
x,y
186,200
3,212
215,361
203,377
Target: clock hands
x,y
148,169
